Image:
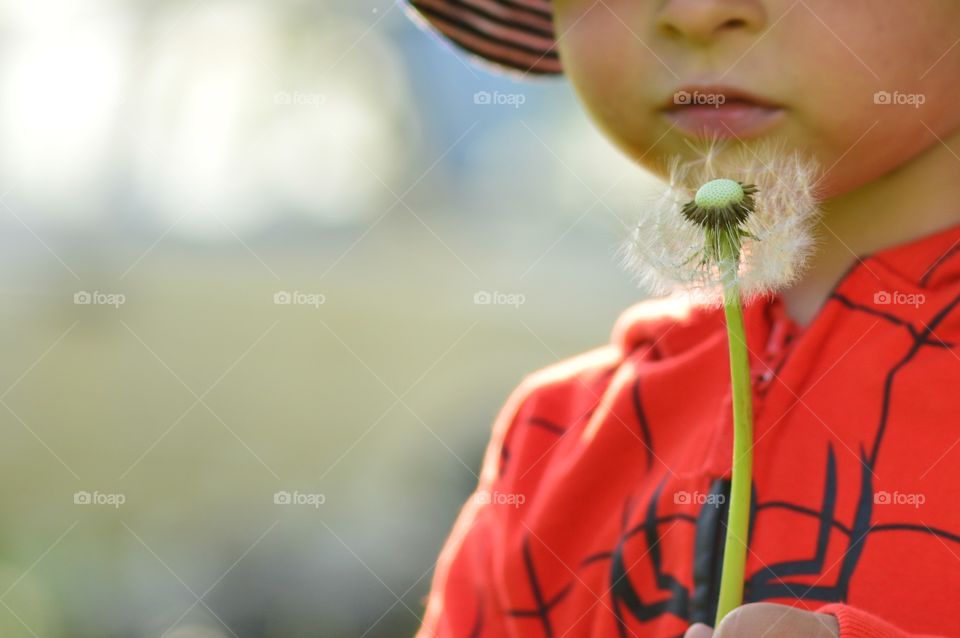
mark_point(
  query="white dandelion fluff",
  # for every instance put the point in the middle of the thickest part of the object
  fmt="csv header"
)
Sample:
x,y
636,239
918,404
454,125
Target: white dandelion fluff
x,y
766,194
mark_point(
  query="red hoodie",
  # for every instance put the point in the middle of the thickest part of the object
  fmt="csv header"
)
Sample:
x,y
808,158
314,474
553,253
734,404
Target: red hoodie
x,y
600,507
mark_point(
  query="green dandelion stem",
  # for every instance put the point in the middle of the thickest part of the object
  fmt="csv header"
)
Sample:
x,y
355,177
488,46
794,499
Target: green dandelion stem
x,y
721,208
738,517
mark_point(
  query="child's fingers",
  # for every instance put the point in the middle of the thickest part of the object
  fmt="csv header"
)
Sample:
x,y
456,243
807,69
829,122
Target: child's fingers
x,y
698,630
768,620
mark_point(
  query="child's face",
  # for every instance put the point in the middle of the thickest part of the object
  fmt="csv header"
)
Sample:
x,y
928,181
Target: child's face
x,y
813,68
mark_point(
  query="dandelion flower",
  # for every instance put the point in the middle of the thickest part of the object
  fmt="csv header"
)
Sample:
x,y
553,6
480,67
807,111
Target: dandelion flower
x,y
727,228
673,248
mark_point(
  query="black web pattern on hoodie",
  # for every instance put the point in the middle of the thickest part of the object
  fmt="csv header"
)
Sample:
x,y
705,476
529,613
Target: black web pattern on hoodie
x,y
772,581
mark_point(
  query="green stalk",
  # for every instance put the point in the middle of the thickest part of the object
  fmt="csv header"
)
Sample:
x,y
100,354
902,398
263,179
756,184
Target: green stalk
x,y
738,518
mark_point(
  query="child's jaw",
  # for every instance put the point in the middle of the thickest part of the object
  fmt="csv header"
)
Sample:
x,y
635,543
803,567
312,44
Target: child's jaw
x,y
863,86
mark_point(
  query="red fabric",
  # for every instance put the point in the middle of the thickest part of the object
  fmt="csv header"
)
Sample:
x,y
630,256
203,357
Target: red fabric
x,y
856,623
596,512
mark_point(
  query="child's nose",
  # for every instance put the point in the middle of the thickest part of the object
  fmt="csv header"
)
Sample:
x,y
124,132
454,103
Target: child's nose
x,y
702,21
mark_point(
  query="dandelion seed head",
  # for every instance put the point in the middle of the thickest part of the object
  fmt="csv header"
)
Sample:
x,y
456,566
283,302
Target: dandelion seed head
x,y
669,250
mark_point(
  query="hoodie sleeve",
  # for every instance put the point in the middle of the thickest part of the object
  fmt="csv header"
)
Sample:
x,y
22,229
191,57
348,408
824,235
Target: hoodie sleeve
x,y
856,623
461,600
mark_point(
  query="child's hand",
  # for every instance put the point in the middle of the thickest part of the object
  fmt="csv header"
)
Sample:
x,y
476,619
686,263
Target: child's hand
x,y
766,620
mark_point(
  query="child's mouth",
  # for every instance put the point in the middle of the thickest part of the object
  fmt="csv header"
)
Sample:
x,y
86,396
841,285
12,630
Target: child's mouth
x,y
721,112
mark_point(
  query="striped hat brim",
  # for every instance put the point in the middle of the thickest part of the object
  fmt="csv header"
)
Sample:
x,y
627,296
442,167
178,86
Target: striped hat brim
x,y
516,35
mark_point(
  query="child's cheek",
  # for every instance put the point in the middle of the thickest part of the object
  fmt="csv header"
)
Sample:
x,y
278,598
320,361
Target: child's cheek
x,y
598,49
616,79
883,45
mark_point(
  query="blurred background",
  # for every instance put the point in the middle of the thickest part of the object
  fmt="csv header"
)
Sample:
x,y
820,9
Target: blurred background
x,y
269,271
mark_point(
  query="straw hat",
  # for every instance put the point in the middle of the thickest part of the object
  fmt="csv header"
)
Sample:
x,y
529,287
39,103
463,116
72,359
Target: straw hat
x,y
516,35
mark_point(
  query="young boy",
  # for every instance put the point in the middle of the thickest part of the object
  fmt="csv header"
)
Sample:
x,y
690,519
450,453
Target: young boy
x,y
622,455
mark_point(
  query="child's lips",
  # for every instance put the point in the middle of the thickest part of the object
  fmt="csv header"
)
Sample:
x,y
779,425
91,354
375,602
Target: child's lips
x,y
725,121
720,112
